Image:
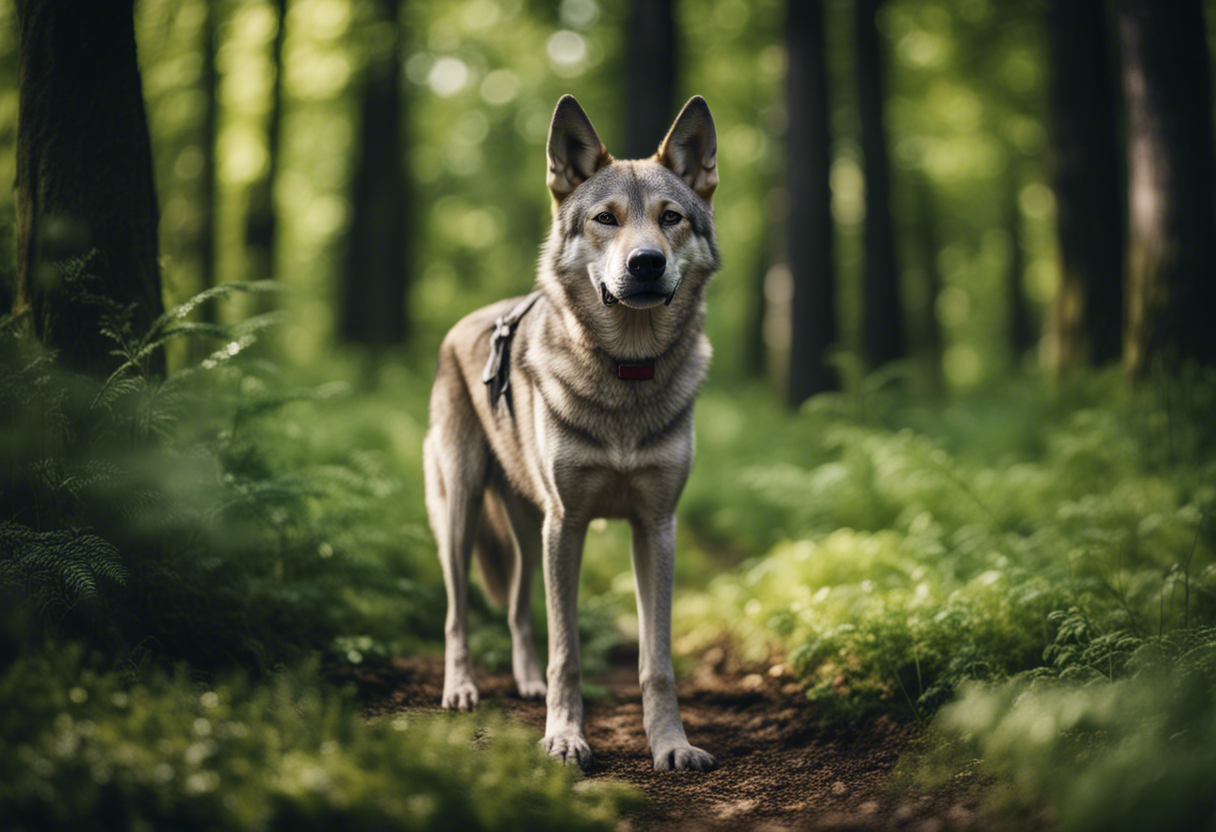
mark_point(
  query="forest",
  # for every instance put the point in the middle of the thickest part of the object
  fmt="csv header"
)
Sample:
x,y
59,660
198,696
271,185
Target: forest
x,y
947,556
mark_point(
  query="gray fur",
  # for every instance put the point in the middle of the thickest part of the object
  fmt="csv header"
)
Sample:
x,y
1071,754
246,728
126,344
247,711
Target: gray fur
x,y
521,484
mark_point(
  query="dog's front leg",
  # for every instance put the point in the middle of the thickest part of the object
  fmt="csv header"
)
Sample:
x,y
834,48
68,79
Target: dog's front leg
x,y
563,555
654,551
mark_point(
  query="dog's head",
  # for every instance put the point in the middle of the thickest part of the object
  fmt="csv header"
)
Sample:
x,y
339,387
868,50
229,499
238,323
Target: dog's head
x,y
634,235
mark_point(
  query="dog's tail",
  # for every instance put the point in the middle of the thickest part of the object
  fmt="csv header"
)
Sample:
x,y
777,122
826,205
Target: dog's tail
x,y
495,548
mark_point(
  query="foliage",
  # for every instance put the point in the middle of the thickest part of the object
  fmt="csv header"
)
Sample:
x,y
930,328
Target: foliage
x,y
1136,752
89,750
913,549
190,518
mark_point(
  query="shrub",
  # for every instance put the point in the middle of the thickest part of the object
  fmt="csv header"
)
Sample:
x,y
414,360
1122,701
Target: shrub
x,y
915,548
1137,752
87,750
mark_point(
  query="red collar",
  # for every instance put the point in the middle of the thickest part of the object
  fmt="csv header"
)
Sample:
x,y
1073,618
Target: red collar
x,y
635,370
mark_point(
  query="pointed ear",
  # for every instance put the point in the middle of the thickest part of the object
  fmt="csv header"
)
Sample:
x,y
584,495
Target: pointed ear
x,y
690,150
575,151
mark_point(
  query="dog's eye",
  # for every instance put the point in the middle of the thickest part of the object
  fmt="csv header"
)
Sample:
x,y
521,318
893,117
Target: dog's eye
x,y
605,218
671,218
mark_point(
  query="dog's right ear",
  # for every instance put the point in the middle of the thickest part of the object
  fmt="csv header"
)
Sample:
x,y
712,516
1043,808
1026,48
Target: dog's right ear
x,y
575,151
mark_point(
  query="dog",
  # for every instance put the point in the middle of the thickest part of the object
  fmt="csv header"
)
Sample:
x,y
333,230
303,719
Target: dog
x,y
577,403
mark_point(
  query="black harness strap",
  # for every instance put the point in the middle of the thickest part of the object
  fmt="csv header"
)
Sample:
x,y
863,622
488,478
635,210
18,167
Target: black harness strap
x,y
497,374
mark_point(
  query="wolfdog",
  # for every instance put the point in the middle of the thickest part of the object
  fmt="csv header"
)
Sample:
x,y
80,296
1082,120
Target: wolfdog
x,y
574,403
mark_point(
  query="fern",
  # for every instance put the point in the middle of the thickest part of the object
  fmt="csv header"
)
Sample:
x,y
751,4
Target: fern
x,y
58,569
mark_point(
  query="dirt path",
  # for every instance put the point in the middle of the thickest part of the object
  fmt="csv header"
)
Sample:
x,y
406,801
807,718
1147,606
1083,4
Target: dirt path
x,y
779,766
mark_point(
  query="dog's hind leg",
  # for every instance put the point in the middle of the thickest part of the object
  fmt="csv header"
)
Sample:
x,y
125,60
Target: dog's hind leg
x,y
654,550
455,463
525,522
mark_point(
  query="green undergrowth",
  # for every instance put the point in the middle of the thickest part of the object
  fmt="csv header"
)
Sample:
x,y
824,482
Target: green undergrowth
x,y
1088,752
231,515
907,548
96,750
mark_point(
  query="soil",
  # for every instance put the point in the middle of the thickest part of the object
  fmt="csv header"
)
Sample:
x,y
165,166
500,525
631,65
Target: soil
x,y
780,766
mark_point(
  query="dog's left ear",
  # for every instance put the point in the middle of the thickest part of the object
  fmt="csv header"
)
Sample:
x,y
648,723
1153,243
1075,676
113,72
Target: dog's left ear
x,y
690,150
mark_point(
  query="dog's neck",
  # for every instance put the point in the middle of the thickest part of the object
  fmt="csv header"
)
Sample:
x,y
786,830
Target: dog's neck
x,y
629,336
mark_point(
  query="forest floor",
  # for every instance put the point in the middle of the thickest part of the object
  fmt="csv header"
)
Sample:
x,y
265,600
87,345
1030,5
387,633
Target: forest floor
x,y
780,766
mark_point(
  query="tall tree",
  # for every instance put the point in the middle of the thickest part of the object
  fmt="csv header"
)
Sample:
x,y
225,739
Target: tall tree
x,y
1021,337
1171,293
927,328
1083,157
650,76
374,309
882,331
261,219
84,177
208,209
809,227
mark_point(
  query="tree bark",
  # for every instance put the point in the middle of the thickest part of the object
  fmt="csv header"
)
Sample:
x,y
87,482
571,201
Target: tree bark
x,y
651,66
1083,157
1171,291
882,329
84,179
374,308
924,309
200,347
809,228
261,218
1021,331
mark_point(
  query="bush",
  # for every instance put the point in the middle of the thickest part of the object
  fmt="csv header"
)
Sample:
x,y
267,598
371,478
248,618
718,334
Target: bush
x,y
1135,753
223,515
87,750
918,548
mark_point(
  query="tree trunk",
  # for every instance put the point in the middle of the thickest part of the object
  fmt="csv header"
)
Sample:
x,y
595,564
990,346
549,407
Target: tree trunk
x,y
374,311
1171,292
261,218
755,352
1021,331
929,286
809,229
1083,156
201,347
882,331
650,76
84,179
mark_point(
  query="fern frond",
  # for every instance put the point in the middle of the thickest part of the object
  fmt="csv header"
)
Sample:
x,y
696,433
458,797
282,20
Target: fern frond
x,y
187,306
57,569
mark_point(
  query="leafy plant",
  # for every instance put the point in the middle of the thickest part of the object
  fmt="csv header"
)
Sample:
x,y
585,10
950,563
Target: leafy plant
x,y
184,518
1134,752
916,549
89,750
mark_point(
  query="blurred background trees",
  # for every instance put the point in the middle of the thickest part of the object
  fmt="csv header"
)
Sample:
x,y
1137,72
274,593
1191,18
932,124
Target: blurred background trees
x,y
84,196
901,180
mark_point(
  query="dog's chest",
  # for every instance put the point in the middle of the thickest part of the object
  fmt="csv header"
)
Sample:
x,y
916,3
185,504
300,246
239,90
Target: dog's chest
x,y
618,461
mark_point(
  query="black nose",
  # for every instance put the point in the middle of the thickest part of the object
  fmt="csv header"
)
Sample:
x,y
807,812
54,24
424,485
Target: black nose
x,y
646,263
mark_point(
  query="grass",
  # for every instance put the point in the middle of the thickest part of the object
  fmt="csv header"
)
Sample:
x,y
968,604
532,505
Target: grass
x,y
88,750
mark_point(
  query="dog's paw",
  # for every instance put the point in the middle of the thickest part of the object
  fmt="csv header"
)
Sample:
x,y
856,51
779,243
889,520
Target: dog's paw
x,y
568,748
683,758
461,696
532,689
